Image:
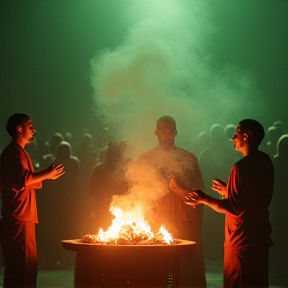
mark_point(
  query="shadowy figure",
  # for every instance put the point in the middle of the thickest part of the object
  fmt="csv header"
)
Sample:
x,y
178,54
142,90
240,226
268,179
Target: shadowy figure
x,y
280,124
60,211
279,213
273,135
219,156
68,137
43,148
108,179
87,153
203,141
229,131
55,140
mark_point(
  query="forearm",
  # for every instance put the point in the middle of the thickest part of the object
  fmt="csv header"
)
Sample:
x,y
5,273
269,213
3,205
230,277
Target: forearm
x,y
37,185
218,205
36,178
53,172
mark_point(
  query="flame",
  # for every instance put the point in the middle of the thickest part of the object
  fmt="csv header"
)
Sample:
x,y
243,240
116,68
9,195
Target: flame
x,y
165,235
129,227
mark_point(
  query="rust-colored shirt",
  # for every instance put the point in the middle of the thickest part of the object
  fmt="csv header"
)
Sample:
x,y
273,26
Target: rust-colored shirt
x,y
18,199
249,192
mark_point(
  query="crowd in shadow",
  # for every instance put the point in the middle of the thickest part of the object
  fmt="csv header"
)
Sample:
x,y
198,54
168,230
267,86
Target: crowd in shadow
x,y
78,202
64,206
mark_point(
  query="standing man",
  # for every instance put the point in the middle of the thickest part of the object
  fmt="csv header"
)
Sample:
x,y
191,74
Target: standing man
x,y
247,197
182,221
19,211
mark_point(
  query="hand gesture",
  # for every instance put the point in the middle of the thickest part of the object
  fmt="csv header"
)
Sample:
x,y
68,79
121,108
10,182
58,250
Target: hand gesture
x,y
219,186
194,197
55,171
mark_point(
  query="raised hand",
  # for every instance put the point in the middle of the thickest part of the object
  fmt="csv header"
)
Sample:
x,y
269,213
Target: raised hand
x,y
194,197
56,171
219,186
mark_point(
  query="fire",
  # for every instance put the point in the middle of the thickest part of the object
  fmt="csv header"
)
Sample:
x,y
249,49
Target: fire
x,y
130,228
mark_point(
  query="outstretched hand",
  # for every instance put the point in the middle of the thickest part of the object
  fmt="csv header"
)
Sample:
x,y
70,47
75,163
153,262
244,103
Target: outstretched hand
x,y
219,186
194,197
55,171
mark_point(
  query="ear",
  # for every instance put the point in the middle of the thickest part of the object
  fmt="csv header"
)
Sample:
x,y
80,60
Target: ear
x,y
19,129
246,136
176,132
156,132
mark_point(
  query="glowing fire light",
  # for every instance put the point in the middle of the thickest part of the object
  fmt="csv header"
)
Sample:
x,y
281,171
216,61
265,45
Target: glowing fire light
x,y
129,227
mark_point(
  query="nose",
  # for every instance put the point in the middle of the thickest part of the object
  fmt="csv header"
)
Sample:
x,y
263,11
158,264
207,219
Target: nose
x,y
234,137
168,134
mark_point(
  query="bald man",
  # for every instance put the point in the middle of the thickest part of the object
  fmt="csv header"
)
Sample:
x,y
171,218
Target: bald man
x,y
181,221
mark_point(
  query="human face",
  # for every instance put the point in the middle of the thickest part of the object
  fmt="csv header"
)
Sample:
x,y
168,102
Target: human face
x,y
166,133
27,131
239,139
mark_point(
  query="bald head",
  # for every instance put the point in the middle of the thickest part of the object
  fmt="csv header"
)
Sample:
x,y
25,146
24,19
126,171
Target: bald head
x,y
166,119
166,132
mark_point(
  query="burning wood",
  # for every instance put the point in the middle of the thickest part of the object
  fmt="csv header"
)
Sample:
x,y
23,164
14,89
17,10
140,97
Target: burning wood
x,y
131,235
130,228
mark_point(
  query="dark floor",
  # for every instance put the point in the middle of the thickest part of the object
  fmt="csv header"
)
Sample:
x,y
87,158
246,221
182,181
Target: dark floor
x,y
63,278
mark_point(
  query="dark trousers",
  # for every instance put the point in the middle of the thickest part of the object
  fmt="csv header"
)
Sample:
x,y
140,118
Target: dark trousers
x,y
20,254
244,268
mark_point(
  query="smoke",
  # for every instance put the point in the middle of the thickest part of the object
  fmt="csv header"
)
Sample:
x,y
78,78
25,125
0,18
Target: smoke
x,y
164,67
146,187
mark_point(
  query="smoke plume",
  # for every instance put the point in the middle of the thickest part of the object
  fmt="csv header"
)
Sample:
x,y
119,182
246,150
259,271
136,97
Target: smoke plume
x,y
163,67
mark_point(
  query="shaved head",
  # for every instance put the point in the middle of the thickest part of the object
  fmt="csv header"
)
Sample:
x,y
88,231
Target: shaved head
x,y
166,132
166,119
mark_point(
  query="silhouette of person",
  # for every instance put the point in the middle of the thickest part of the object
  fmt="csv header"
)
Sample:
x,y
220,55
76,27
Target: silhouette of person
x,y
279,204
68,137
247,197
280,124
18,183
64,220
88,155
273,135
203,141
229,131
218,157
164,160
108,179
43,148
53,144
